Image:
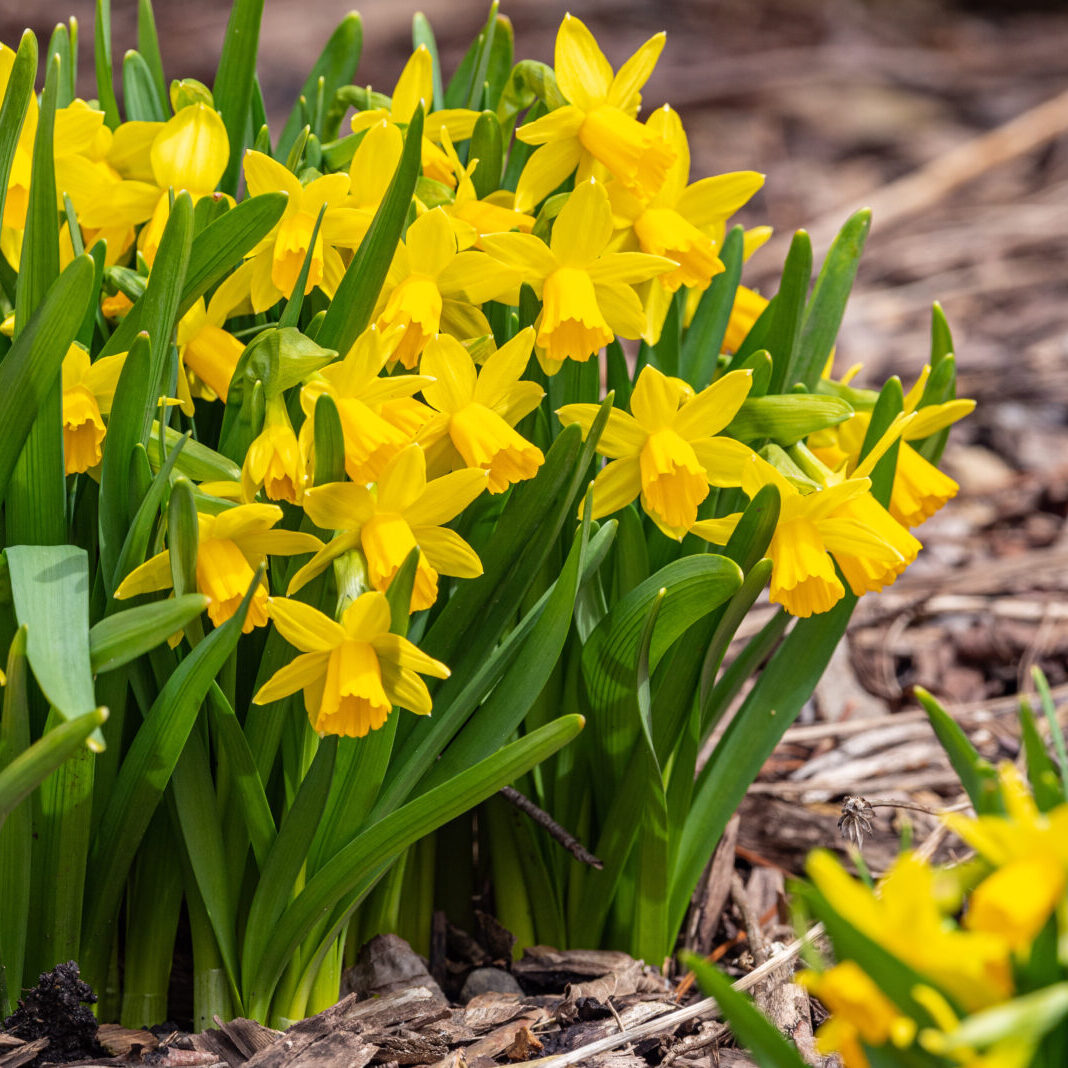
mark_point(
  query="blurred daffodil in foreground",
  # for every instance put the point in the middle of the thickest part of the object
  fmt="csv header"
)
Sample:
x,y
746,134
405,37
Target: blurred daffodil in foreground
x,y
666,450
230,547
353,672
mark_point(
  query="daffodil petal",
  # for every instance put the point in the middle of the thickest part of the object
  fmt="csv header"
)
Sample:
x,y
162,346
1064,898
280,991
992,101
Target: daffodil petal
x,y
279,543
303,626
450,364
403,653
367,618
547,167
655,399
414,86
444,498
403,481
582,72
338,505
621,309
405,689
583,227
334,548
523,252
628,268
430,242
154,574
265,175
477,277
622,435
616,485
624,91
448,553
716,531
300,672
504,368
711,199
713,408
724,460
245,519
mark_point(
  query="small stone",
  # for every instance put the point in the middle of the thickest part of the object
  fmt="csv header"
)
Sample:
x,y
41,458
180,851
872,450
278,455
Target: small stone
x,y
488,980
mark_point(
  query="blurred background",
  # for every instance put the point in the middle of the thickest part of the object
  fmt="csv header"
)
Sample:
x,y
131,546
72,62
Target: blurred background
x,y
949,119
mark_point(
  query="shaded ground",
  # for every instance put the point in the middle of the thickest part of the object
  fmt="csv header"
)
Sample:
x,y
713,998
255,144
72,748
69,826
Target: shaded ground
x,y
836,102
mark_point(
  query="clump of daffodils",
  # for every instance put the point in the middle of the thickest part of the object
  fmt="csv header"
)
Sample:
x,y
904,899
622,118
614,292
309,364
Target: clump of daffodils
x,y
596,232
953,965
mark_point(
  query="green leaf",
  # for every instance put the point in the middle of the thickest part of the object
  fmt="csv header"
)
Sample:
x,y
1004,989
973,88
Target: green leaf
x,y
234,80
1041,773
977,775
31,767
336,66
30,370
823,314
703,339
60,44
465,87
329,444
148,46
105,88
783,336
123,636
941,386
751,1028
16,101
354,302
142,99
354,869
16,833
196,461
487,146
50,588
1025,1018
888,407
35,506
785,684
1046,697
941,337
287,857
291,313
787,418
142,778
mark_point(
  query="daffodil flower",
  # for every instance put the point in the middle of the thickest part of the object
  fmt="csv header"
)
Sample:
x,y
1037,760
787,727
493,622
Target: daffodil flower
x,y
904,916
476,412
431,286
414,86
275,461
597,125
860,1012
405,512
88,390
920,489
679,221
230,547
207,351
363,397
585,289
472,217
273,266
17,198
666,449
353,672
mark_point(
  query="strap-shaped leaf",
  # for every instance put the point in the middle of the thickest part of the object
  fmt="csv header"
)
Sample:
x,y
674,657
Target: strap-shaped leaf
x,y
234,81
105,76
148,47
703,340
142,778
30,370
786,418
353,871
16,101
50,588
350,310
124,636
783,336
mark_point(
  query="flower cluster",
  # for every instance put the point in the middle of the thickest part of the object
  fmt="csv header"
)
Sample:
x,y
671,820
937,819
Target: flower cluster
x,y
594,232
975,972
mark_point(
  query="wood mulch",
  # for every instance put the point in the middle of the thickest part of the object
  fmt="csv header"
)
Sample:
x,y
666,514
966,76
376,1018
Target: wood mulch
x,y
950,122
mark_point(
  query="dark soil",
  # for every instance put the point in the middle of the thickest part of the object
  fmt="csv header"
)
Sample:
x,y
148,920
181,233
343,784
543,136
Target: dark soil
x,y
57,1009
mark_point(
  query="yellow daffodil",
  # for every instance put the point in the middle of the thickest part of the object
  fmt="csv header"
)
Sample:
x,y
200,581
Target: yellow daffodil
x,y
477,413
371,170
585,290
679,221
747,308
207,351
861,1012
598,125
88,389
415,86
275,461
230,547
18,182
920,489
405,511
353,672
472,218
271,271
667,450
362,395
904,917
431,286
